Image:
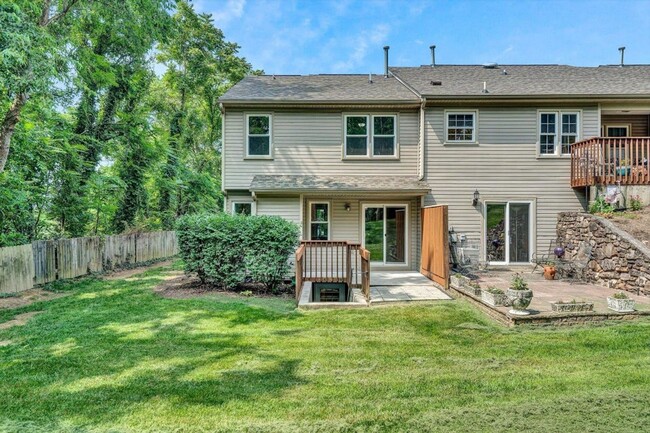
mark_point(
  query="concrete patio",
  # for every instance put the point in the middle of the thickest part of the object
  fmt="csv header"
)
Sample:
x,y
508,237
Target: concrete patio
x,y
402,286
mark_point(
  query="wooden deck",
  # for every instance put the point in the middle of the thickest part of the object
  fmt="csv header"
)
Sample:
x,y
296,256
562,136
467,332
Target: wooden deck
x,y
610,161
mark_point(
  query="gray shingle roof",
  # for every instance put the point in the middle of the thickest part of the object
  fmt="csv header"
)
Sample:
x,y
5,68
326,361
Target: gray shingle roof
x,y
319,88
527,80
262,183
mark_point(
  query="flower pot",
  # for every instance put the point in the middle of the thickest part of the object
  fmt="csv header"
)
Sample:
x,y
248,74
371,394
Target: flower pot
x,y
494,299
520,300
620,305
571,307
549,272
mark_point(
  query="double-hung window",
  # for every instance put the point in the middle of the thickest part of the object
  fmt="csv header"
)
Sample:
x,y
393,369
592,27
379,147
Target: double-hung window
x,y
319,221
370,136
258,131
461,127
558,130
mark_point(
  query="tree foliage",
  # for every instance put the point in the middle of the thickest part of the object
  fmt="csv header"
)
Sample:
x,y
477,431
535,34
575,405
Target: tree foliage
x,y
110,115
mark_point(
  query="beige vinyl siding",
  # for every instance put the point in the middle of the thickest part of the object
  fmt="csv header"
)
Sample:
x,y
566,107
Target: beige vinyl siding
x,y
348,226
503,166
285,207
310,143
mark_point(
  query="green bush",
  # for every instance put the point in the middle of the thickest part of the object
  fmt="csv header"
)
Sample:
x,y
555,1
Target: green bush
x,y
635,203
225,249
601,206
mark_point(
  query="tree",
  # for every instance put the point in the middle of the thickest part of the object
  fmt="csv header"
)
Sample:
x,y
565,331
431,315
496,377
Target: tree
x,y
27,64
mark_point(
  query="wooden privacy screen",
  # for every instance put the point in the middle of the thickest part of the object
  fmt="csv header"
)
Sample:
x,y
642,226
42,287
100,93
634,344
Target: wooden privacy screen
x,y
435,244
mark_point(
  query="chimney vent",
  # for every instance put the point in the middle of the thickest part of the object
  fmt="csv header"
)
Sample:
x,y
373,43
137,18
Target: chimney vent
x,y
622,50
433,55
370,78
386,48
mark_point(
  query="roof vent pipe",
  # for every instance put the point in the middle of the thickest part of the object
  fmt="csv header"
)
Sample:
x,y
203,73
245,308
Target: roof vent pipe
x,y
433,55
622,50
386,61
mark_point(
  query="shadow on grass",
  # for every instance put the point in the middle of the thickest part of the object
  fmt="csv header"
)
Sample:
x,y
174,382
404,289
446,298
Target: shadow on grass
x,y
96,355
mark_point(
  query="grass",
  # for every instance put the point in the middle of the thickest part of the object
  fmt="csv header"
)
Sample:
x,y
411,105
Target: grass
x,y
115,357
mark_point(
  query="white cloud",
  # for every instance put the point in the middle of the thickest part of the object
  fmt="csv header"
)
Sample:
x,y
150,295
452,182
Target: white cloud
x,y
360,44
231,10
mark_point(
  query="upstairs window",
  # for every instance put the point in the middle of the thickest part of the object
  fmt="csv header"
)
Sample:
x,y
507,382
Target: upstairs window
x,y
547,133
558,130
258,131
319,221
356,136
461,127
370,136
383,135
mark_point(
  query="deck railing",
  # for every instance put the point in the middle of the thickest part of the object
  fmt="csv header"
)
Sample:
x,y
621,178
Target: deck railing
x,y
333,262
608,160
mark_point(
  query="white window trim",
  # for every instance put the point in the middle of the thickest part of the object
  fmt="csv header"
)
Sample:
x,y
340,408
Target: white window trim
x,y
370,141
270,135
531,228
329,218
627,126
474,139
407,233
372,123
346,135
558,132
234,202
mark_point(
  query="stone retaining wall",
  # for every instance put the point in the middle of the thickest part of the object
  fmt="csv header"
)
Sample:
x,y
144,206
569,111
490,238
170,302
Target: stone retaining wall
x,y
618,260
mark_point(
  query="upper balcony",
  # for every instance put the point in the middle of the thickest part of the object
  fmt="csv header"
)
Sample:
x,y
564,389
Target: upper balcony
x,y
610,160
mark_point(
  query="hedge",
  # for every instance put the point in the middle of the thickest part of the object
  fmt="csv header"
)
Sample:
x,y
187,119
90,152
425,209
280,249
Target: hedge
x,y
227,249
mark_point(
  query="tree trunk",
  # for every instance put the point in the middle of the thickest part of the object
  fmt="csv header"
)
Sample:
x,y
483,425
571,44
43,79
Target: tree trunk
x,y
8,126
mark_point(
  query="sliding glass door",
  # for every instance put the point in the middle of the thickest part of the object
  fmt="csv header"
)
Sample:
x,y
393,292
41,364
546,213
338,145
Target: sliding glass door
x,y
508,233
384,233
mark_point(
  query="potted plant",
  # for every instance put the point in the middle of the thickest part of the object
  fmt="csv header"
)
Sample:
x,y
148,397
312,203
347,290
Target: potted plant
x,y
473,287
456,280
494,297
620,302
549,270
571,306
519,295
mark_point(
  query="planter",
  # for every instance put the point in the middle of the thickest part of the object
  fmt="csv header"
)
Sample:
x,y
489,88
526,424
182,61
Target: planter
x,y
476,291
549,272
572,307
494,299
459,281
620,305
520,300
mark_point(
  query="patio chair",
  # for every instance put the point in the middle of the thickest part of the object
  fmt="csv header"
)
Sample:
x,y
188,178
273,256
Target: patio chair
x,y
575,269
541,259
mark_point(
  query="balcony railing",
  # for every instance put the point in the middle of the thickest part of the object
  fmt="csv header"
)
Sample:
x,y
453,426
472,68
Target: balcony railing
x,y
333,262
607,161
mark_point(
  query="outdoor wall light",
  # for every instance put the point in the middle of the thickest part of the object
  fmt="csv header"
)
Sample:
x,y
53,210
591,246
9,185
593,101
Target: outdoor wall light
x,y
347,207
477,195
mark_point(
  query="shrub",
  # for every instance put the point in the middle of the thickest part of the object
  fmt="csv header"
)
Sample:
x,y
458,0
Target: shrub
x,y
225,249
635,203
620,295
495,290
601,206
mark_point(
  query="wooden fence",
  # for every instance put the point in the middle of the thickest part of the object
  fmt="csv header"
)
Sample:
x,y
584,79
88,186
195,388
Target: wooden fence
x,y
42,262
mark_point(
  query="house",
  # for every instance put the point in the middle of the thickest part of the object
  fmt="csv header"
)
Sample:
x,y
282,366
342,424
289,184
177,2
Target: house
x,y
356,157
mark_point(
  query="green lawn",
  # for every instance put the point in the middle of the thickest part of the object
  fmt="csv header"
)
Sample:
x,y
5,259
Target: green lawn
x,y
114,357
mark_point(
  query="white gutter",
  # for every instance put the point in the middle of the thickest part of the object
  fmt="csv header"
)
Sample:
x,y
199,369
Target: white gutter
x,y
422,143
222,109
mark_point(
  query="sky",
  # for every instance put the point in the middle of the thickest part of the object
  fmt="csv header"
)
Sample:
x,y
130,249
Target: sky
x,y
347,36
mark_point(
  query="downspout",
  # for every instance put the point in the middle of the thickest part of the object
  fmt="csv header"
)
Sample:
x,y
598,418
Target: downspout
x,y
222,109
422,143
